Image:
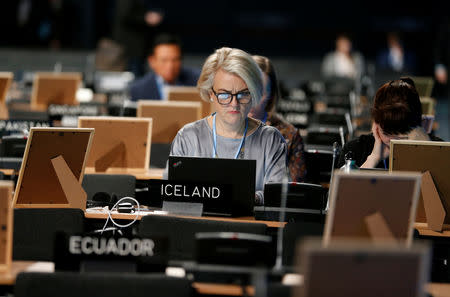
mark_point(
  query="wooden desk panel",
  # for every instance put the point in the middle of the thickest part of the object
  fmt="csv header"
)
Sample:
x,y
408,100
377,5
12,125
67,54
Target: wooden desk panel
x,y
9,171
9,277
438,289
425,231
152,173
222,289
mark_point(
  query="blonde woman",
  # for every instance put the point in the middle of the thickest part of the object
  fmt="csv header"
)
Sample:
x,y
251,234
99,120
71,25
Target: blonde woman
x,y
232,82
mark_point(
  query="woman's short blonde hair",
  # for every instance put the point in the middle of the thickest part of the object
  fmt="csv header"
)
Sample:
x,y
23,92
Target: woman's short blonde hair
x,y
234,61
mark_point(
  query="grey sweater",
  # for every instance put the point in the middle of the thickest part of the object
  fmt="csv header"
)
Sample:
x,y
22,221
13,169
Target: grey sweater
x,y
266,145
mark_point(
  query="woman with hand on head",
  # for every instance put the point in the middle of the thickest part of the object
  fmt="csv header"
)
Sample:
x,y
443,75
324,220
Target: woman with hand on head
x,y
232,82
396,114
265,112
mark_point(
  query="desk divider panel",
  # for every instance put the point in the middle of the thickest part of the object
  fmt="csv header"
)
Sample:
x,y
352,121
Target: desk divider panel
x,y
168,117
130,137
422,156
54,88
180,93
368,205
5,82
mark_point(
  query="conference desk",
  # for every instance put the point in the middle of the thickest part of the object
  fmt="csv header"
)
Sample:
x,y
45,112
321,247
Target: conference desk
x,y
9,171
9,279
421,227
152,173
126,216
425,231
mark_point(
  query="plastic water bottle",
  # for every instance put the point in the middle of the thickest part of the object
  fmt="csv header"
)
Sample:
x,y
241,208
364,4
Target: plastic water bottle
x,y
349,163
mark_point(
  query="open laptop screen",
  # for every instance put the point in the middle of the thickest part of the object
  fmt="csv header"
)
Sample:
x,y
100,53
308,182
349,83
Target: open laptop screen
x,y
239,173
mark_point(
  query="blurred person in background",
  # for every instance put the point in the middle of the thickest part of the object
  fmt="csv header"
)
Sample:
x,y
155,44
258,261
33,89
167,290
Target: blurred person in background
x,y
165,62
442,86
135,26
265,112
344,61
32,23
395,57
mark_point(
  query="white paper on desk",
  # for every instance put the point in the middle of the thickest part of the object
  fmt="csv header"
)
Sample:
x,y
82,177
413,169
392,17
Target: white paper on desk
x,y
41,267
97,209
292,279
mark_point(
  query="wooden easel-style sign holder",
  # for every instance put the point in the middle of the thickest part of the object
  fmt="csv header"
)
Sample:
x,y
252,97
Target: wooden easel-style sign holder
x,y
74,192
5,82
53,162
105,161
434,209
378,228
4,115
6,225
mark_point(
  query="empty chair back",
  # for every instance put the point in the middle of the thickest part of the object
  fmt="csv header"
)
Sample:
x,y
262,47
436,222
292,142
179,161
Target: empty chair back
x,y
119,184
304,202
35,230
181,232
100,284
295,232
159,155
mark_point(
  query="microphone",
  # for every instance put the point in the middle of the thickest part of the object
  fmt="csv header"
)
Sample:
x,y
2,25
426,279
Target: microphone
x,y
348,120
284,190
341,133
335,151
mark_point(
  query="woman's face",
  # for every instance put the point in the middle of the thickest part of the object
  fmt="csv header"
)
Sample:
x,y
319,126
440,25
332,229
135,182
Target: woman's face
x,y
386,138
233,113
258,111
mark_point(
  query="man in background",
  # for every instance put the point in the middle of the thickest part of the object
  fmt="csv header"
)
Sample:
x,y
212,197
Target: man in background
x,y
165,61
135,25
442,87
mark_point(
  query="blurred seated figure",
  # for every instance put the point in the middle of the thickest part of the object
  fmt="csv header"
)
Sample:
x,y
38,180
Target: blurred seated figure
x,y
165,60
395,57
396,114
265,112
343,61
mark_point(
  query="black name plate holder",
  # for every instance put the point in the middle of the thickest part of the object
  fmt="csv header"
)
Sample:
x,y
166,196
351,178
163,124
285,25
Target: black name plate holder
x,y
191,198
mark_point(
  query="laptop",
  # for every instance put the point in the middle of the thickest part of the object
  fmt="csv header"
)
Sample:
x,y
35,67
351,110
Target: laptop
x,y
238,175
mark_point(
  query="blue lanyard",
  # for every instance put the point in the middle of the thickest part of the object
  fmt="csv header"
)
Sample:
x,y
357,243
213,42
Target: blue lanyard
x,y
215,138
265,117
384,161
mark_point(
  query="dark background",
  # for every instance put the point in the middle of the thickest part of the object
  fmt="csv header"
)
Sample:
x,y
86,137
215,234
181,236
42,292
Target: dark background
x,y
276,28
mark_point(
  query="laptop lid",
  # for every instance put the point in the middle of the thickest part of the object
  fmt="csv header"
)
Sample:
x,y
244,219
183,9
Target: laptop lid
x,y
239,173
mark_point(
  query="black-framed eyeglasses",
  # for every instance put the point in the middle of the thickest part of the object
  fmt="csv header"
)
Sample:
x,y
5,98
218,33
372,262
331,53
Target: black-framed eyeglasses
x,y
224,98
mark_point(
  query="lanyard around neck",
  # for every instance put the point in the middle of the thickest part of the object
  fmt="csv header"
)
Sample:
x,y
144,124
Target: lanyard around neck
x,y
264,120
241,145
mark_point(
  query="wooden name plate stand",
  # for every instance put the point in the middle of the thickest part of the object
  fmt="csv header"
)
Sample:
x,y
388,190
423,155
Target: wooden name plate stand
x,y
5,82
432,158
6,225
121,145
52,169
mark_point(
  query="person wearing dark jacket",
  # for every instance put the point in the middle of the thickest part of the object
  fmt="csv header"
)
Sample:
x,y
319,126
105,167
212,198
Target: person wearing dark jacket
x,y
165,60
396,114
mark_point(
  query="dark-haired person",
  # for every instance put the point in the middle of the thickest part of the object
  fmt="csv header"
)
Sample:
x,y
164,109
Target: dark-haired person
x,y
396,114
265,112
165,61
